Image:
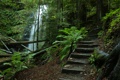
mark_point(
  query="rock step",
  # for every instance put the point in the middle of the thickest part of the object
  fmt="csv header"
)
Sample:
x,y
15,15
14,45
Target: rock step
x,y
87,45
81,55
86,42
72,77
77,61
73,68
84,50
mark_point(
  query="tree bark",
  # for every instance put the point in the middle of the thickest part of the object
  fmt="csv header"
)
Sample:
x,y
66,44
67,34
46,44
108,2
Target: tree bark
x,y
99,6
115,74
111,69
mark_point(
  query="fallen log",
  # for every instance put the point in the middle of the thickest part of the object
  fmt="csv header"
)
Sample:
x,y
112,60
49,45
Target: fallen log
x,y
25,42
5,55
21,44
5,45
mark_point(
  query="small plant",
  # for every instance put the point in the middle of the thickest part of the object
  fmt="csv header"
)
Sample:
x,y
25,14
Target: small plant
x,y
29,59
100,34
93,58
1,74
97,60
16,64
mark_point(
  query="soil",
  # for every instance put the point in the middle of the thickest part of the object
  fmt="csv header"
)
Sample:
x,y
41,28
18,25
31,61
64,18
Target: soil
x,y
48,71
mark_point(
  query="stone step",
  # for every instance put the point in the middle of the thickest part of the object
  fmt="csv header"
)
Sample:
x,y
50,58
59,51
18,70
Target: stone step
x,y
73,68
86,42
81,55
87,45
84,50
71,76
77,61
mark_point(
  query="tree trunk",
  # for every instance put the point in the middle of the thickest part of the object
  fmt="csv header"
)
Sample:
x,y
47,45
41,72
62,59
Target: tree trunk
x,y
77,13
115,74
111,68
99,12
38,25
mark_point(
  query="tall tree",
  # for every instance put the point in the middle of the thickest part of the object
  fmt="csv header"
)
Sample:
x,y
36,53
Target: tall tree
x,y
99,12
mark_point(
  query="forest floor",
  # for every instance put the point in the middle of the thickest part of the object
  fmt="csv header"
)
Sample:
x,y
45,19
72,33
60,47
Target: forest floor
x,y
49,71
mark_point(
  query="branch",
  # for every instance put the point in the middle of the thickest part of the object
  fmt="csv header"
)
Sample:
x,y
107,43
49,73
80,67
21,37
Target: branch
x,y
5,45
6,51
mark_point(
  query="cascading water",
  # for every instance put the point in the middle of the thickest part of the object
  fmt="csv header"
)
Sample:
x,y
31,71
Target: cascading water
x,y
35,26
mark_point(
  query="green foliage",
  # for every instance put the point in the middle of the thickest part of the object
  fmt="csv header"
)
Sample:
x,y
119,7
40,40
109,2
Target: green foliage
x,y
114,15
16,64
30,4
114,26
97,59
115,3
1,74
100,34
66,40
2,52
28,61
69,38
91,12
51,53
94,60
94,57
15,16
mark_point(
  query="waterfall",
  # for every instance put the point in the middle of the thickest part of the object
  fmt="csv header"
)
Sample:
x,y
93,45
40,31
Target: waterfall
x,y
35,26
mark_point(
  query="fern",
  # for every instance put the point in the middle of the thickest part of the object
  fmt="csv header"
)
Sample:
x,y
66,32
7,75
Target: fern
x,y
16,65
67,37
114,17
112,13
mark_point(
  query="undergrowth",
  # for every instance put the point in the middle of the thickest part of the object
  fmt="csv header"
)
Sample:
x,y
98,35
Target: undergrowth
x,y
16,64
